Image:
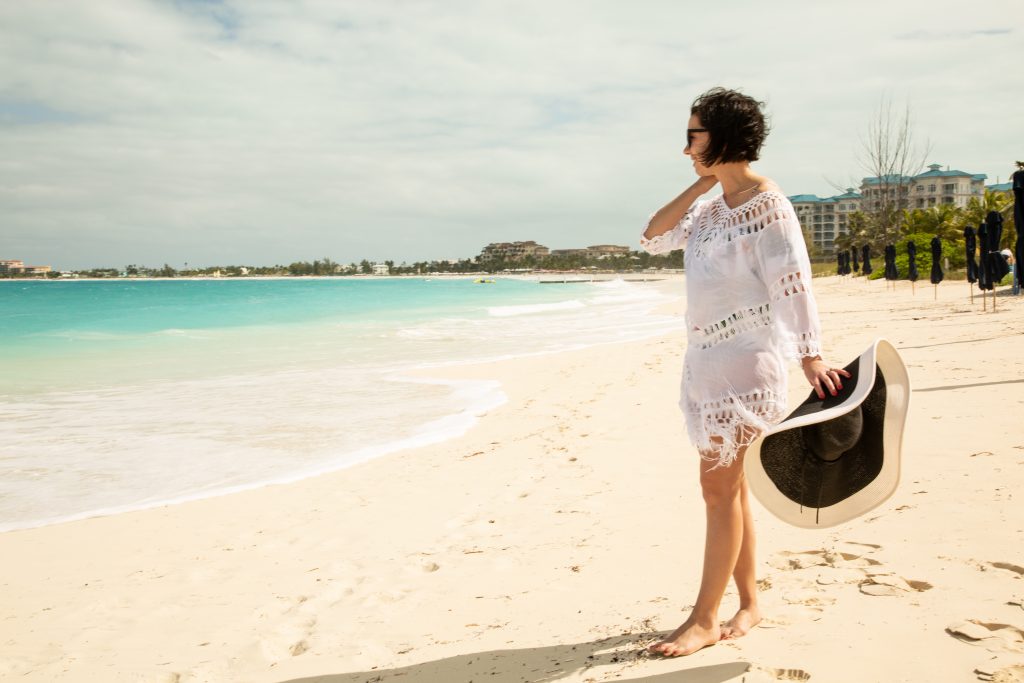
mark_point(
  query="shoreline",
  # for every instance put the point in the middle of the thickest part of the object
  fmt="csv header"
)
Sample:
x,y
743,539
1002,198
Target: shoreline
x,y
445,428
554,537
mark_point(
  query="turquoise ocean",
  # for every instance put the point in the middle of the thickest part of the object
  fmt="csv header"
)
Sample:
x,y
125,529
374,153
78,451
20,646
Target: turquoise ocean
x,y
127,394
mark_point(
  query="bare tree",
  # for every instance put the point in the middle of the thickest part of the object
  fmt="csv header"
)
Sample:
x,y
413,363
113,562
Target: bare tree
x,y
891,157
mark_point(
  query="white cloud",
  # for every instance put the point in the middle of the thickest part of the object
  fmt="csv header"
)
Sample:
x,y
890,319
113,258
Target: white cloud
x,y
261,132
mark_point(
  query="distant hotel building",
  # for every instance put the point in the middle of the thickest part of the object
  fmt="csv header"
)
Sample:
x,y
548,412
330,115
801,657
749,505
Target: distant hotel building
x,y
925,190
598,251
826,218
607,250
14,267
512,251
517,251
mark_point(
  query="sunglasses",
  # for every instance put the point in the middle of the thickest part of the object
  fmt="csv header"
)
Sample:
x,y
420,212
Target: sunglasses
x,y
690,132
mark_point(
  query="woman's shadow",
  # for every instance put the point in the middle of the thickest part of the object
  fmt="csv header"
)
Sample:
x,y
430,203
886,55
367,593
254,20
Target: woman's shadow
x,y
541,665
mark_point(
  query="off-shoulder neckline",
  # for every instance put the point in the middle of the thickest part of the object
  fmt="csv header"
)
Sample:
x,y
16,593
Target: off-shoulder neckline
x,y
721,199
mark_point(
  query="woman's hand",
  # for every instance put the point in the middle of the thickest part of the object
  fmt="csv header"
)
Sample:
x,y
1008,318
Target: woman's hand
x,y
705,183
822,377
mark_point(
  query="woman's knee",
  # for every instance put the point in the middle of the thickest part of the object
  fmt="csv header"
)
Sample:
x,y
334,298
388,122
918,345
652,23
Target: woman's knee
x,y
721,484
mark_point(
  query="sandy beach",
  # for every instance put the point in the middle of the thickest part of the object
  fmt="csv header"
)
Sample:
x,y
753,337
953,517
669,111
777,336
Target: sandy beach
x,y
560,535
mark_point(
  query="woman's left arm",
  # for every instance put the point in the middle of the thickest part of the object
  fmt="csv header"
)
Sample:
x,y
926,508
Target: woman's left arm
x,y
785,269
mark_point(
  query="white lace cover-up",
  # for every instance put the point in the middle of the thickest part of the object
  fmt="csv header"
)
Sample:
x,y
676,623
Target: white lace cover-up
x,y
750,309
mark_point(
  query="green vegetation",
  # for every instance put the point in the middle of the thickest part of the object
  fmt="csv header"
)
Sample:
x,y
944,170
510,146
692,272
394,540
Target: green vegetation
x,y
952,252
920,225
633,261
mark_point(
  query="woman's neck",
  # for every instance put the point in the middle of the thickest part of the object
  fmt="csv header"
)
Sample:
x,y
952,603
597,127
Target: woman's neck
x,y
736,178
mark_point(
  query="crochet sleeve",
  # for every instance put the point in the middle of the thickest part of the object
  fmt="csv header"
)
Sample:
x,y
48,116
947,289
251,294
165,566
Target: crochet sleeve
x,y
785,269
676,237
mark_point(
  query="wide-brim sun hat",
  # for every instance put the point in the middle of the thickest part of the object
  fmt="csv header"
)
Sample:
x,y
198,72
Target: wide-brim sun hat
x,y
834,459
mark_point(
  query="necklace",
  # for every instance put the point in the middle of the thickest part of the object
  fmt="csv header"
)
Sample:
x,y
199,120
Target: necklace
x,y
733,194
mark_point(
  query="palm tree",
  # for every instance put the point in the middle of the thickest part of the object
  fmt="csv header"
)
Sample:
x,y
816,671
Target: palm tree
x,y
944,220
858,233
979,207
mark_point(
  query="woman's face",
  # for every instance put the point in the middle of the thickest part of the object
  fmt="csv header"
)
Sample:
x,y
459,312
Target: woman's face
x,y
696,142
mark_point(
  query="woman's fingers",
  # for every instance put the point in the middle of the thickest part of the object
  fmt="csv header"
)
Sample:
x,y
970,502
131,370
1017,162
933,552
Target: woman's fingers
x,y
826,380
817,388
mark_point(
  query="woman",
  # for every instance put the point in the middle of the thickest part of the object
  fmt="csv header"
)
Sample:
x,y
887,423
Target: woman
x,y
748,289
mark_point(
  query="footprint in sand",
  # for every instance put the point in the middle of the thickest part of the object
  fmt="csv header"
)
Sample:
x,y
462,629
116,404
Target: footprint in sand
x,y
1007,674
844,555
782,674
1017,569
887,584
288,639
992,636
808,596
1001,669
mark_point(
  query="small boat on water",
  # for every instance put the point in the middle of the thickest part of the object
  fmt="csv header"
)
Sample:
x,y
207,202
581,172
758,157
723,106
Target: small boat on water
x,y
483,281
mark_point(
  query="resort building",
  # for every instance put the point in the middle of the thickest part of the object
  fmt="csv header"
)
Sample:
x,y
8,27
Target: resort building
x,y
923,190
825,218
597,251
512,251
936,186
601,251
15,267
381,269
11,266
876,189
1005,188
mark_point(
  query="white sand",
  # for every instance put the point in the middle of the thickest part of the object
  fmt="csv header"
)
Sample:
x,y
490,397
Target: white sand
x,y
561,534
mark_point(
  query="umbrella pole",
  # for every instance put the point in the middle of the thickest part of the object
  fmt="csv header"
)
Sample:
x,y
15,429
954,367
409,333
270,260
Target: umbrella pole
x,y
936,292
913,288
993,298
970,288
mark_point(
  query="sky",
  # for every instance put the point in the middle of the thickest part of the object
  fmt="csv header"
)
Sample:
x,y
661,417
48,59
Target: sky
x,y
263,132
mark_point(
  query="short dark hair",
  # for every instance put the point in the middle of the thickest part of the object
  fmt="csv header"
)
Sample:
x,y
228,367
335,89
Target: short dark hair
x,y
735,123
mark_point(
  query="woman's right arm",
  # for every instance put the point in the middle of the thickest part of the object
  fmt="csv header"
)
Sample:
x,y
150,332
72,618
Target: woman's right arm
x,y
669,216
669,228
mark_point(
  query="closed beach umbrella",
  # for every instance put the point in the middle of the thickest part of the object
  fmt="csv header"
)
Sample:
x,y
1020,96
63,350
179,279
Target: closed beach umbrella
x,y
998,267
891,272
856,265
912,261
984,278
936,277
1018,220
839,263
971,244
865,254
846,263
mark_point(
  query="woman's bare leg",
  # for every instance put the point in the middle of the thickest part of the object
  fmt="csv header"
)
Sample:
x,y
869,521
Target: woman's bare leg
x,y
722,488
745,575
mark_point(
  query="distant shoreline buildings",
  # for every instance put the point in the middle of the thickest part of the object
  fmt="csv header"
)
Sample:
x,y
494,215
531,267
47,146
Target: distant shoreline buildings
x,y
826,218
15,267
518,251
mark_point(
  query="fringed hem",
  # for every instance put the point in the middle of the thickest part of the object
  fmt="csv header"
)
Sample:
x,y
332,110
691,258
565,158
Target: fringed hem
x,y
721,429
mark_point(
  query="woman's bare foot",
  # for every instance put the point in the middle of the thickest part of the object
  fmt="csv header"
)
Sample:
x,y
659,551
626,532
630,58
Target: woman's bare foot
x,y
745,619
686,640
